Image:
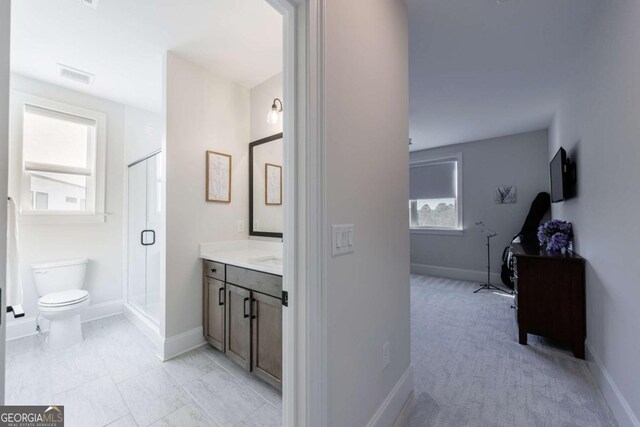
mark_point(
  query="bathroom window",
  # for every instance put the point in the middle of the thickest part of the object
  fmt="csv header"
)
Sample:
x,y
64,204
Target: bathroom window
x,y
63,150
435,199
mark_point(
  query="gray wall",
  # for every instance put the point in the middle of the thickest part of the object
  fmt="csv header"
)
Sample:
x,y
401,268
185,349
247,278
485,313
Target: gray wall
x,y
367,294
520,160
598,124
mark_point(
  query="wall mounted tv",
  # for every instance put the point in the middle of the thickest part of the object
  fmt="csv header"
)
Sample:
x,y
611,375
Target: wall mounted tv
x,y
563,177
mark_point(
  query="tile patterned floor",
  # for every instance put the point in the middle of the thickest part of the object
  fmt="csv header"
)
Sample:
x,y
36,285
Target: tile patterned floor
x,y
113,378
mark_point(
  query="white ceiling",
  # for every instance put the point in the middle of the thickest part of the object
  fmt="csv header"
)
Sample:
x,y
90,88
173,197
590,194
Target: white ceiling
x,y
481,69
122,42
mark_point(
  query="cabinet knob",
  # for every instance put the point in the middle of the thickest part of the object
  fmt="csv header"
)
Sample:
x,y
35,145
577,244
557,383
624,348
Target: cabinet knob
x,y
513,307
213,270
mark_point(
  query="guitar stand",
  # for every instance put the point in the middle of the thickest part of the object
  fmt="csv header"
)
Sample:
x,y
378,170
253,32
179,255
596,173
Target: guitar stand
x,y
488,286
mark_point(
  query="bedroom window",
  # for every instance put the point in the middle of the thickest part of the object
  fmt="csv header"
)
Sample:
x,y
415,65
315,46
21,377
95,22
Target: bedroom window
x,y
62,162
435,195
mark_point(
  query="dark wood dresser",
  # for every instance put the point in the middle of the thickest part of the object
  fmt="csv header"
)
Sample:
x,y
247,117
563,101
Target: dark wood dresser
x,y
550,296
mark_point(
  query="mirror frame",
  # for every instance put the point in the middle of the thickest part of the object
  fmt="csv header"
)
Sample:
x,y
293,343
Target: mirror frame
x,y
252,232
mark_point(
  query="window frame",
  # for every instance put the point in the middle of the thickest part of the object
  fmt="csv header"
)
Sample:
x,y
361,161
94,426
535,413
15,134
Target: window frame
x,y
96,182
459,228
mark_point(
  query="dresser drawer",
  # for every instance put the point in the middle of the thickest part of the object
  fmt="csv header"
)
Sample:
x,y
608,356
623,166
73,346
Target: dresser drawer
x,y
215,270
256,281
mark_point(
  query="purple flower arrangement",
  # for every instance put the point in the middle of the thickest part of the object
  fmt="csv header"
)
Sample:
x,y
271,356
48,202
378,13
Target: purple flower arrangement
x,y
556,235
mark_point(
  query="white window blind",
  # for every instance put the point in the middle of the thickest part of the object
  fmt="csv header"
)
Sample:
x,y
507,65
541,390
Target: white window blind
x,y
435,202
63,151
433,181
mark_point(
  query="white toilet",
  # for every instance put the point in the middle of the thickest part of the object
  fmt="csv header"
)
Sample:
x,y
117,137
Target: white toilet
x,y
62,299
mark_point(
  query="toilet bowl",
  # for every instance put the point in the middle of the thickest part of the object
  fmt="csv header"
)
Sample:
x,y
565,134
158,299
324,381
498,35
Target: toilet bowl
x,y
62,299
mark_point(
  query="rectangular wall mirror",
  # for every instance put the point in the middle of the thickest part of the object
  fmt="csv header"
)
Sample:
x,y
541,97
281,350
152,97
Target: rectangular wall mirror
x,y
266,209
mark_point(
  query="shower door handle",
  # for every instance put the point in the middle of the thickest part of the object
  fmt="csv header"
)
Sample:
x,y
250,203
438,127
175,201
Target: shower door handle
x,y
142,238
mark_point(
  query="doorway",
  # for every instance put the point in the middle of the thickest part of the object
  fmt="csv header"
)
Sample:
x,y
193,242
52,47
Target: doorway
x,y
290,193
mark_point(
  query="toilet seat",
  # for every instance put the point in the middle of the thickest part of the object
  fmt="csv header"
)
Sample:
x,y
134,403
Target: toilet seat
x,y
63,299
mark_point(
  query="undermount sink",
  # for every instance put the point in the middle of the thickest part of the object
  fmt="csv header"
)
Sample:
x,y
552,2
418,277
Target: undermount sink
x,y
268,260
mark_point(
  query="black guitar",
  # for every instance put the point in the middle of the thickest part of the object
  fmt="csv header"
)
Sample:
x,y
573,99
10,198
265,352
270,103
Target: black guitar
x,y
528,235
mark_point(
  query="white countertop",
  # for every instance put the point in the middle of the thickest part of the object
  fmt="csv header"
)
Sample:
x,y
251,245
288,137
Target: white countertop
x,y
252,254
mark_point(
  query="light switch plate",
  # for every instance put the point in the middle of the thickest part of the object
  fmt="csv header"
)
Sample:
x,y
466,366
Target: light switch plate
x,y
342,239
240,226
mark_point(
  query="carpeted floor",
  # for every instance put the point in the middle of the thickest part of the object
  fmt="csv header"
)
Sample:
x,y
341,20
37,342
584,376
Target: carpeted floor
x,y
469,370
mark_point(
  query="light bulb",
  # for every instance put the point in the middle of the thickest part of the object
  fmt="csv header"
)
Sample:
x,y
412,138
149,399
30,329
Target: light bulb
x,y
273,117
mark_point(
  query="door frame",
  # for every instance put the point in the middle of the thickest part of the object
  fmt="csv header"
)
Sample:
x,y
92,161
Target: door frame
x,y
5,34
305,238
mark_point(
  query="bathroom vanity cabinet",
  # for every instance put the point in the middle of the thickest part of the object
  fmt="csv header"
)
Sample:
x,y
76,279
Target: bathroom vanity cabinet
x,y
243,317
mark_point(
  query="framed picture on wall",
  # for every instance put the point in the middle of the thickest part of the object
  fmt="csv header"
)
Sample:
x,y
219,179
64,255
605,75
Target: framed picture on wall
x,y
505,194
218,177
272,184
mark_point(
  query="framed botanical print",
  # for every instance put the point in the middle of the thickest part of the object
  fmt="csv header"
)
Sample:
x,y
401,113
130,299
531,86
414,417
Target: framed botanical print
x,y
218,177
505,194
272,184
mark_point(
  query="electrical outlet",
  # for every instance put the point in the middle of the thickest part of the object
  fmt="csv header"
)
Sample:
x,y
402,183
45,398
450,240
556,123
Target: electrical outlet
x,y
386,355
240,226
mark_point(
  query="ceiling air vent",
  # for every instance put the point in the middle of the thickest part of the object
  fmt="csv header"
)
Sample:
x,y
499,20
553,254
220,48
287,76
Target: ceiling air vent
x,y
78,76
91,3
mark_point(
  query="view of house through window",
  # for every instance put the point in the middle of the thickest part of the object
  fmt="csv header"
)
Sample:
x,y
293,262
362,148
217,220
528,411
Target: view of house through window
x,y
58,159
434,194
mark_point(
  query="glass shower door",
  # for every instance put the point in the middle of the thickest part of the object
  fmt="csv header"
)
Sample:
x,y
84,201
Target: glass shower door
x,y
144,213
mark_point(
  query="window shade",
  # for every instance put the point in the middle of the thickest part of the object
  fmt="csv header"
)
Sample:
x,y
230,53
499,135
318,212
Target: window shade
x,y
433,181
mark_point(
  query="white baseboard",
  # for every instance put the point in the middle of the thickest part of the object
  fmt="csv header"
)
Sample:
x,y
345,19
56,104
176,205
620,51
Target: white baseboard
x,y
392,409
455,273
405,412
27,326
146,326
166,348
181,343
614,397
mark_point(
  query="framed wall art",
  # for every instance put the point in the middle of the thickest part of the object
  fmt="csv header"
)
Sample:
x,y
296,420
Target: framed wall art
x,y
218,177
272,184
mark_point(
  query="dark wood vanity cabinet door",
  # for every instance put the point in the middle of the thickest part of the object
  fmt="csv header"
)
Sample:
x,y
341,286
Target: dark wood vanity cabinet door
x,y
238,325
267,338
215,313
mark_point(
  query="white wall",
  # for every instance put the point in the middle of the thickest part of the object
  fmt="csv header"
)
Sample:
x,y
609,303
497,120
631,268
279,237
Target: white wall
x,y
203,112
143,133
598,124
262,97
367,184
102,243
520,160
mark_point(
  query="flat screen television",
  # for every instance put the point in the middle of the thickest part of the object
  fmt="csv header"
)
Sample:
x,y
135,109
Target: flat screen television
x,y
562,177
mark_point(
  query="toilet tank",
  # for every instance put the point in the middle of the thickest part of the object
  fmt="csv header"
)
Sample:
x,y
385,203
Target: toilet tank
x,y
59,276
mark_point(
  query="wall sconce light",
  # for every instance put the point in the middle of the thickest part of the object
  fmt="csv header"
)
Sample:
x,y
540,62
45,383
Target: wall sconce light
x,y
274,115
